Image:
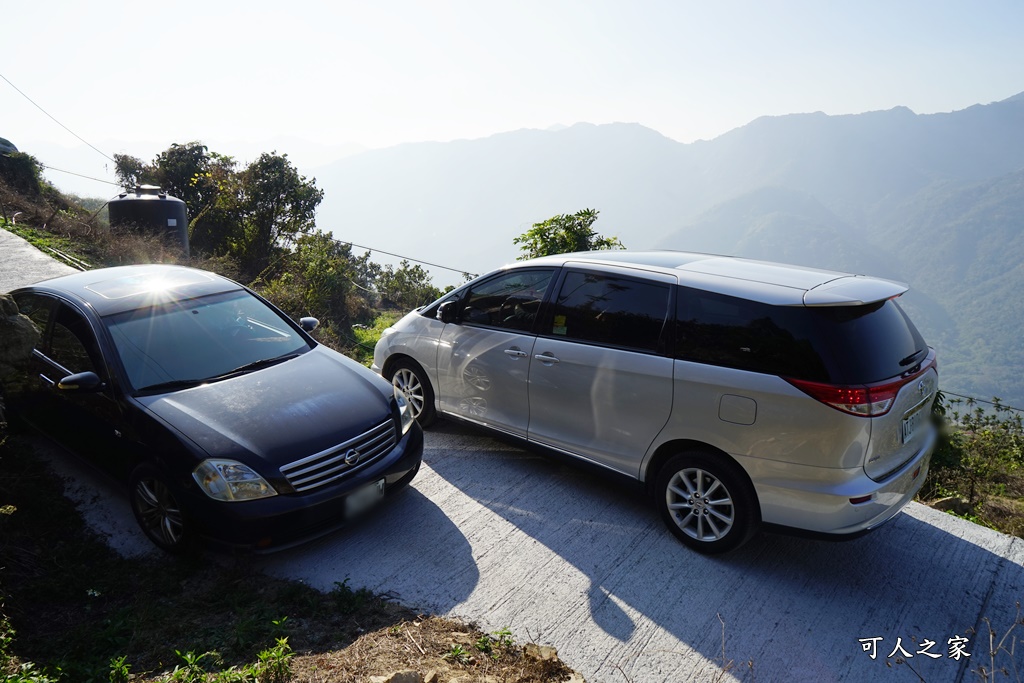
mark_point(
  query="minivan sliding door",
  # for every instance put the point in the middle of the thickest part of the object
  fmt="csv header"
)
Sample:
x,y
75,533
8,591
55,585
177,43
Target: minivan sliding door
x,y
600,382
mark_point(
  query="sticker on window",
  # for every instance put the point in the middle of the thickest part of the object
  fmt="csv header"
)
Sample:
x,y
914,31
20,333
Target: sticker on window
x,y
559,327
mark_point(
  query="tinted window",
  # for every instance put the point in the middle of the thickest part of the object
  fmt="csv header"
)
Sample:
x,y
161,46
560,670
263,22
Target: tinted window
x,y
37,307
746,335
72,345
869,343
838,344
510,301
611,310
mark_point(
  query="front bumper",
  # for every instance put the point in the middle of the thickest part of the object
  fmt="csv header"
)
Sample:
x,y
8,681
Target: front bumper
x,y
287,520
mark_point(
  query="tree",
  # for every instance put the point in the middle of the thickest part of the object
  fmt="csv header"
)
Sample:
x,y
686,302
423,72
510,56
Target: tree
x,y
22,172
248,214
406,287
321,277
275,205
564,234
130,170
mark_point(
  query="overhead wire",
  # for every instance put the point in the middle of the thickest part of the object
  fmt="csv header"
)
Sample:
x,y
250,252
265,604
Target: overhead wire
x,y
981,400
80,175
407,258
55,120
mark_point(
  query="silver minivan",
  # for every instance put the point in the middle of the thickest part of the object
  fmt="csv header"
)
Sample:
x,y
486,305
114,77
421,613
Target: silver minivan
x,y
741,393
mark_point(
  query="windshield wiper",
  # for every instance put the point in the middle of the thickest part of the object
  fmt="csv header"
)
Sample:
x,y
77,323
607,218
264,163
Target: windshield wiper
x,y
241,369
170,386
255,365
910,359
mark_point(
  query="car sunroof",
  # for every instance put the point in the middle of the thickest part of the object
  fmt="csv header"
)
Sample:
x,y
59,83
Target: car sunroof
x,y
148,282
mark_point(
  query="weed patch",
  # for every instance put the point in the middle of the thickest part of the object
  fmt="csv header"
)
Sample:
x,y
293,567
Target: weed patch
x,y
977,471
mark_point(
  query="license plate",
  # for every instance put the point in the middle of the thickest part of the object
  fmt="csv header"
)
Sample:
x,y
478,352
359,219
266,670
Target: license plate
x,y
911,422
361,500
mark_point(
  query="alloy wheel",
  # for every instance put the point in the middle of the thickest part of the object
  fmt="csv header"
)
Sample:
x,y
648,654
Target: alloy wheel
x,y
158,512
406,381
700,505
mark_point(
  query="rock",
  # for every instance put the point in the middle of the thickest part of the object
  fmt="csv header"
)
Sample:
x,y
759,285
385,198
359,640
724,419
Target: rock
x,y
432,677
461,638
18,336
542,652
404,676
954,504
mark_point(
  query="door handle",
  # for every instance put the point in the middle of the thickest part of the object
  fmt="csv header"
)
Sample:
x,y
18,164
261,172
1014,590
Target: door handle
x,y
546,358
515,353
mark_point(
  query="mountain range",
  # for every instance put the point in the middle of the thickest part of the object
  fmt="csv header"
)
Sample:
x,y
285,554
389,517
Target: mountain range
x,y
934,200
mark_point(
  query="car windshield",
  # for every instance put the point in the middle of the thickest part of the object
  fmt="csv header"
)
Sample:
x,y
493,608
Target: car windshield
x,y
187,342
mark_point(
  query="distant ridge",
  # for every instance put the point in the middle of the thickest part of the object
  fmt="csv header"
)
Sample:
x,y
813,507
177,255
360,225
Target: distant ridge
x,y
936,200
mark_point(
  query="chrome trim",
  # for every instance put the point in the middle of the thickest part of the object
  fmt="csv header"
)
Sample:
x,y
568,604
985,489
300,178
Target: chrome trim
x,y
330,465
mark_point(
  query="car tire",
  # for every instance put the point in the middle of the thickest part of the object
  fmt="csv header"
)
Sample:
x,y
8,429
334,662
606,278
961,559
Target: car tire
x,y
158,512
409,378
707,501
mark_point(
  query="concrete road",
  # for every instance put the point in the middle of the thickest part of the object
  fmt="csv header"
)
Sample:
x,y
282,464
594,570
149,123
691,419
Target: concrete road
x,y
507,538
498,535
22,264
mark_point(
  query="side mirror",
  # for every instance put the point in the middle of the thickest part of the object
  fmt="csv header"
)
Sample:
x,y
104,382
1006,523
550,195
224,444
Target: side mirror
x,y
81,382
309,324
447,312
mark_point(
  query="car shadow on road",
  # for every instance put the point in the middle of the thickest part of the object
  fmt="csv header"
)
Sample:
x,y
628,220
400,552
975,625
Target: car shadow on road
x,y
790,605
389,550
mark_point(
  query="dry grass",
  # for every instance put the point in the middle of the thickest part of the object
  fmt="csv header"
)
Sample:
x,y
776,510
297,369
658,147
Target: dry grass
x,y
1004,513
426,645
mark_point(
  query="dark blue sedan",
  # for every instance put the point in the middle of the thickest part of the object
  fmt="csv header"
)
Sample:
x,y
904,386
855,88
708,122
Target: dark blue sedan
x,y
223,417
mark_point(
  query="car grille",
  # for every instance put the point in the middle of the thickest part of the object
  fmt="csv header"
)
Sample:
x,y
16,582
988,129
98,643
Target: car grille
x,y
342,460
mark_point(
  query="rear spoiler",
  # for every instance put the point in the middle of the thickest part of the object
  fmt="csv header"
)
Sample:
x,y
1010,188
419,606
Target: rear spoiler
x,y
853,290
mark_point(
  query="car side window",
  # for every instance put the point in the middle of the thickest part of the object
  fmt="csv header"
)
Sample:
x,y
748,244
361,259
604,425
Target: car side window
x,y
36,307
72,344
509,301
747,335
612,310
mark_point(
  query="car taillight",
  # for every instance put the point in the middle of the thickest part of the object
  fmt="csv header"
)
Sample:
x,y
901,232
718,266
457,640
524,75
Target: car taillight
x,y
866,400
863,401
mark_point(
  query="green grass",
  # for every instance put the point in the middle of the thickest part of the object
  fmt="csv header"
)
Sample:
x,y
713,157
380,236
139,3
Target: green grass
x,y
366,336
46,241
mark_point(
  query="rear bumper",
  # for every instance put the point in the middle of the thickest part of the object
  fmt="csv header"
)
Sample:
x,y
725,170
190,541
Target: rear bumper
x,y
818,500
288,520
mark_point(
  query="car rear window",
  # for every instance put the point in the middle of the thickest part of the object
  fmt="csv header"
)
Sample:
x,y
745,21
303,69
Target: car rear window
x,y
837,344
868,343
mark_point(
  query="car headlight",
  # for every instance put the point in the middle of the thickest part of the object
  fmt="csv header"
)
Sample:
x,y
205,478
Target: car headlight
x,y
404,411
230,480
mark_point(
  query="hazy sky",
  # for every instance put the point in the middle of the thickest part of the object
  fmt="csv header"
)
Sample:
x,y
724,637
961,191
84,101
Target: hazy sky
x,y
136,77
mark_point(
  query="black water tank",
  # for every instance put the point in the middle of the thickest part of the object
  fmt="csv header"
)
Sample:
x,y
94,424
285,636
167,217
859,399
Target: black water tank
x,y
150,209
